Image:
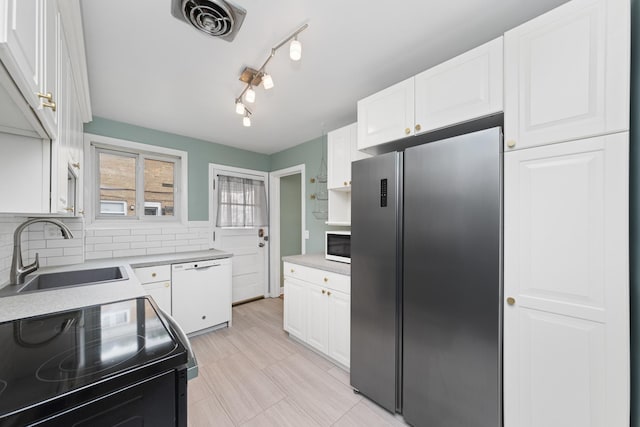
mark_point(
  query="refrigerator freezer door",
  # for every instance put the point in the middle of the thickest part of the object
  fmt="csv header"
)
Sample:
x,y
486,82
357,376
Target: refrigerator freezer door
x,y
452,282
374,273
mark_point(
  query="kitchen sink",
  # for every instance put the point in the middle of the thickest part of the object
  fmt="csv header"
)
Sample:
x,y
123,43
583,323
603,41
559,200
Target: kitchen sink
x,y
64,279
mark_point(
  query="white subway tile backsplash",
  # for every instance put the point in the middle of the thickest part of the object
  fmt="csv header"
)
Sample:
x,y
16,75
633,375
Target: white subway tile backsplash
x,y
44,253
128,239
73,251
175,243
98,254
98,239
155,251
144,231
199,242
187,248
65,243
162,237
132,252
111,246
186,236
112,232
64,260
145,245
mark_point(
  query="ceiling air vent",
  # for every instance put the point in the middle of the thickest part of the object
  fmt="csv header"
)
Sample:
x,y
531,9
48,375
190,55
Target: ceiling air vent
x,y
217,18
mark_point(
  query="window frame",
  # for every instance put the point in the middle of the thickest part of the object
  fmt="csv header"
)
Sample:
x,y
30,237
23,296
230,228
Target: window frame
x,y
95,144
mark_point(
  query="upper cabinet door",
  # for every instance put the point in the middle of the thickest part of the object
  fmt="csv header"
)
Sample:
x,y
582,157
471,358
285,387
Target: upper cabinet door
x,y
567,74
339,157
566,284
386,115
49,81
466,87
21,44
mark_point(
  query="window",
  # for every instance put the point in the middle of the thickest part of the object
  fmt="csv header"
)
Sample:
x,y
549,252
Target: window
x,y
242,202
132,183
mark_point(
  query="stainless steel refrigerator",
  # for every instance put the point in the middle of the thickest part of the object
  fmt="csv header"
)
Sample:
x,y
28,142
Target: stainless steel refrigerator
x,y
426,281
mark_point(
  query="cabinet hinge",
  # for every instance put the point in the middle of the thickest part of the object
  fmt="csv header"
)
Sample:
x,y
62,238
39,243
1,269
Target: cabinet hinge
x,y
214,236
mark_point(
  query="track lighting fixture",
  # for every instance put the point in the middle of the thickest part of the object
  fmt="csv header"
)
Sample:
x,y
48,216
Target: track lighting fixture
x,y
253,78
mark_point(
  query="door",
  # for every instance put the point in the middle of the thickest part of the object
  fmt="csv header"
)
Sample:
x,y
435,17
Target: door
x,y
466,87
567,74
386,115
339,326
317,320
23,45
452,284
295,308
376,211
566,317
339,158
248,239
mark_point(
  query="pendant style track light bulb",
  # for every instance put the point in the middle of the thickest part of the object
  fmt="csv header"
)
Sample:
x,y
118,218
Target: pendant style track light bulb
x,y
267,81
239,107
246,121
295,50
250,95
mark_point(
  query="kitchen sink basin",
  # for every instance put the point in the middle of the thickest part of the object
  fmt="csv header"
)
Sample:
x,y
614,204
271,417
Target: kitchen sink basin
x,y
64,279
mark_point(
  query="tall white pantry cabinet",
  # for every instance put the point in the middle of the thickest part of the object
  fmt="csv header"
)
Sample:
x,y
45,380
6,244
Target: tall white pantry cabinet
x,y
566,224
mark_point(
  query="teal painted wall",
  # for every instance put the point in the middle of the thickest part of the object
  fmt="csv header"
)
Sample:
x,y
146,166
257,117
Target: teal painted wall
x,y
290,218
200,154
310,153
634,232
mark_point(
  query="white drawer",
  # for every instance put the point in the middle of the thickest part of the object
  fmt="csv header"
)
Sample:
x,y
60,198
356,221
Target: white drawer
x,y
323,278
157,273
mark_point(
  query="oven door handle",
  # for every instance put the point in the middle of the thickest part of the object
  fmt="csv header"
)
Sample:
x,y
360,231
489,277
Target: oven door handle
x,y
192,363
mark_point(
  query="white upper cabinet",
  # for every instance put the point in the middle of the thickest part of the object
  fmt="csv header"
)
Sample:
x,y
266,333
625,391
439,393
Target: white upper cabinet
x,y
567,74
339,157
28,48
466,87
386,115
566,284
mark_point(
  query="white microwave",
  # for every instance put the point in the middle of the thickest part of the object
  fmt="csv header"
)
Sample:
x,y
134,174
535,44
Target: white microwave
x,y
337,246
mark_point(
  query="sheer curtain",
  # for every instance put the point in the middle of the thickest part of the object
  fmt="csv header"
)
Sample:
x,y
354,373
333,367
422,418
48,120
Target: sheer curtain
x,y
242,202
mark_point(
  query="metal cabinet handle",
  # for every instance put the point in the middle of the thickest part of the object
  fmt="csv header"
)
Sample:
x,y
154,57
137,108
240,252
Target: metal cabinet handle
x,y
407,131
51,105
328,293
326,279
418,127
153,274
76,165
323,292
511,143
511,301
292,270
48,96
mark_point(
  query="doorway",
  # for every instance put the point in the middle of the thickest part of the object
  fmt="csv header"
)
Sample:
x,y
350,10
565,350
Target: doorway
x,y
287,213
238,212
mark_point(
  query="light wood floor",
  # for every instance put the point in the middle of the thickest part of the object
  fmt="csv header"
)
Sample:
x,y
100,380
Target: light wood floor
x,y
253,374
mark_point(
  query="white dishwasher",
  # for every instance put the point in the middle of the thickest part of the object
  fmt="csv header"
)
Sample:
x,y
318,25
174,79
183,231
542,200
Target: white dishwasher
x,y
201,294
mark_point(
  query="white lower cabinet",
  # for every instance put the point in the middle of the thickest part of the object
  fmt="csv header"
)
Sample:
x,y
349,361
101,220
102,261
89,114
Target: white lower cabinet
x,y
566,284
317,310
156,281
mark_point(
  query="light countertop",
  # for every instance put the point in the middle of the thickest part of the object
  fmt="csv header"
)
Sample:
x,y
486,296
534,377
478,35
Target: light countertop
x,y
319,261
38,303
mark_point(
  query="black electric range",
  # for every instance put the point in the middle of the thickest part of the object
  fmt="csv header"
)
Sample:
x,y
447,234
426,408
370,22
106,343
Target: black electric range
x,y
84,366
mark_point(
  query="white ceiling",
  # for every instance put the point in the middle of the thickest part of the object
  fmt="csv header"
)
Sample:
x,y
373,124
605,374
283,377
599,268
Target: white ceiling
x,y
149,69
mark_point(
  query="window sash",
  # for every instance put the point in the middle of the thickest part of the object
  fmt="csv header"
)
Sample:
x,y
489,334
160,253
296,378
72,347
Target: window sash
x,y
140,158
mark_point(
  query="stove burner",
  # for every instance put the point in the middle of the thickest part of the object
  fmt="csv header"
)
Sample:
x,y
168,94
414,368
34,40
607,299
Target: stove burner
x,y
3,386
67,366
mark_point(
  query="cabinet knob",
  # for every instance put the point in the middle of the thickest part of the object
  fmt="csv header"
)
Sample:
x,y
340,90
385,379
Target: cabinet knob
x,y
511,143
204,317
345,183
349,182
418,127
76,165
69,209
407,131
153,274
328,293
511,300
81,211
326,279
166,285
323,292
292,270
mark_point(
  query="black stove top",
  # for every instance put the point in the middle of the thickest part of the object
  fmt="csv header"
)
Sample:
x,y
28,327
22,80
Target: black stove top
x,y
45,357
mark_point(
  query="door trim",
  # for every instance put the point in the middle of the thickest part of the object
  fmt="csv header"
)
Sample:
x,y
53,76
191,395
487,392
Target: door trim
x,y
249,173
274,226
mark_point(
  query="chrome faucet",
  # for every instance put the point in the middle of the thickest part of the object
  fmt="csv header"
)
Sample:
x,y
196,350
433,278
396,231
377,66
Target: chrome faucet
x,y
19,271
